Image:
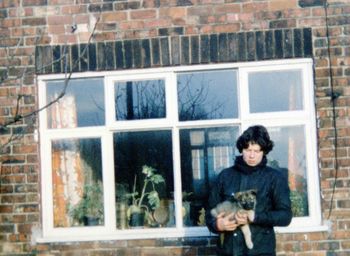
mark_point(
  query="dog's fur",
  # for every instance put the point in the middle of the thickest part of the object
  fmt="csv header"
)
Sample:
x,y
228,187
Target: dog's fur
x,y
243,201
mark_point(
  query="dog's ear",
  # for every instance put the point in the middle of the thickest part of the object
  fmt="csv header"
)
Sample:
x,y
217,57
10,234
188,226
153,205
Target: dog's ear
x,y
238,195
254,191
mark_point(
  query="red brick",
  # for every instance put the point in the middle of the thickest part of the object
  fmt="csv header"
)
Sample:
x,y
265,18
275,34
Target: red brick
x,y
24,228
58,29
114,17
59,20
34,21
280,5
9,3
173,13
6,208
143,14
60,2
76,9
34,2
252,7
132,25
199,11
19,218
24,149
228,8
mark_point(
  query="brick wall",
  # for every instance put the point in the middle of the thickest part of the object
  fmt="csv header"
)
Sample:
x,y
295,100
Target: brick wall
x,y
142,34
177,50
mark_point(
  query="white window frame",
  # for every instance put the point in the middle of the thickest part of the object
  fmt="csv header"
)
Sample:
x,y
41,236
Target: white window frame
x,y
305,117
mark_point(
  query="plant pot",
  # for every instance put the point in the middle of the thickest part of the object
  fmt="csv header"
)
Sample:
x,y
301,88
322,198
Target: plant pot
x,y
137,219
91,221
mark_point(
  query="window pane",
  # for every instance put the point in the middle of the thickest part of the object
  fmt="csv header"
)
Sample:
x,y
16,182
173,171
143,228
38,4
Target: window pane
x,y
204,153
207,95
289,155
77,182
275,91
140,99
144,178
81,106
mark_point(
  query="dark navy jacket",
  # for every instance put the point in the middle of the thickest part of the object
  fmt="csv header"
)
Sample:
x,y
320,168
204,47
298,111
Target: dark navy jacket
x,y
273,206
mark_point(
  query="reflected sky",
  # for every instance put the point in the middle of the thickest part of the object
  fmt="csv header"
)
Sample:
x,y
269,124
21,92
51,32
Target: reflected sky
x,y
207,95
88,95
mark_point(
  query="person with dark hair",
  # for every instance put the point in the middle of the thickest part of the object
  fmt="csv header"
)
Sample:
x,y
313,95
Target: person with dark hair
x,y
273,205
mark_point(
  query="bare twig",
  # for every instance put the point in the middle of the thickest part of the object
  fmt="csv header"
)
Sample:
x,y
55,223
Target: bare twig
x,y
17,115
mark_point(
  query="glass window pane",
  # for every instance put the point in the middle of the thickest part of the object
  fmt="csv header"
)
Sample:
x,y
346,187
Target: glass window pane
x,y
144,179
77,182
207,95
140,99
289,155
283,89
81,106
204,153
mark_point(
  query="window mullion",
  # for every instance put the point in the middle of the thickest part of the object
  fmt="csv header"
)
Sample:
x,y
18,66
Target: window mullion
x,y
108,181
109,101
171,98
46,187
172,116
177,178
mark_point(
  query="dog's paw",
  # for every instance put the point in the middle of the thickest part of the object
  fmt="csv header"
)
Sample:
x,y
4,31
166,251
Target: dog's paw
x,y
251,216
250,245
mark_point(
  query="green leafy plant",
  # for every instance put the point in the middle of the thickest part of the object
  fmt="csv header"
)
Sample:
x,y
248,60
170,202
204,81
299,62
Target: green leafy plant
x,y
299,203
91,204
148,198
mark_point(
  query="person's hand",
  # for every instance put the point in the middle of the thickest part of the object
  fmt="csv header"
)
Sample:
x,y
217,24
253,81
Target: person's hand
x,y
241,218
226,223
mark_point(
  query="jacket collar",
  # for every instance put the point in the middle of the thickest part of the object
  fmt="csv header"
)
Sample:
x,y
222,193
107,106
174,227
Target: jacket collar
x,y
242,166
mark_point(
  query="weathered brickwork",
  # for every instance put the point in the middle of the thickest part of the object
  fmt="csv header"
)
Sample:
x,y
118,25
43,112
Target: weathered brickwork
x,y
176,50
136,34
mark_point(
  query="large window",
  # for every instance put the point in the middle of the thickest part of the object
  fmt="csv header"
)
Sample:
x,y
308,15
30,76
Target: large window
x,y
138,150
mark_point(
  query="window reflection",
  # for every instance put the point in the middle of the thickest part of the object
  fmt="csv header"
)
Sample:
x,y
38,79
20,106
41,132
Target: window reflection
x,y
140,99
143,158
77,182
204,153
290,142
283,88
82,104
144,179
207,95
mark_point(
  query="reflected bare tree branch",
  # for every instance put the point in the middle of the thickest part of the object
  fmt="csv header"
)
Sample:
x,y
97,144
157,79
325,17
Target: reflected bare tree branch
x,y
195,102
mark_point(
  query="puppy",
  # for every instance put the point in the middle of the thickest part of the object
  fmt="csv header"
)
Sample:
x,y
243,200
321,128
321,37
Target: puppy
x,y
243,201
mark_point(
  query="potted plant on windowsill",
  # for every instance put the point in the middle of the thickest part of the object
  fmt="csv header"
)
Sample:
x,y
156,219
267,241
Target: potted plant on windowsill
x,y
143,202
89,210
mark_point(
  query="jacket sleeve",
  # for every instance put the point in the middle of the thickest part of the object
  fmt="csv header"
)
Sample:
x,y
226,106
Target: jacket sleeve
x,y
213,200
281,212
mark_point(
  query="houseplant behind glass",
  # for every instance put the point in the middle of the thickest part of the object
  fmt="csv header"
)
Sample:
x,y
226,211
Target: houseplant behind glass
x,y
145,201
89,211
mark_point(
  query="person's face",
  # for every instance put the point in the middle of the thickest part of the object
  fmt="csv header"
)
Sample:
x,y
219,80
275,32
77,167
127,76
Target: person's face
x,y
253,154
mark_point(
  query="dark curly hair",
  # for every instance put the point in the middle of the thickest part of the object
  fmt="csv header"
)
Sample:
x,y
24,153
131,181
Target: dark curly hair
x,y
256,134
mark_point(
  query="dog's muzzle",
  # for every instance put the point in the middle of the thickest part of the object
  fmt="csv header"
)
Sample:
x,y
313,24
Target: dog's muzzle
x,y
249,205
